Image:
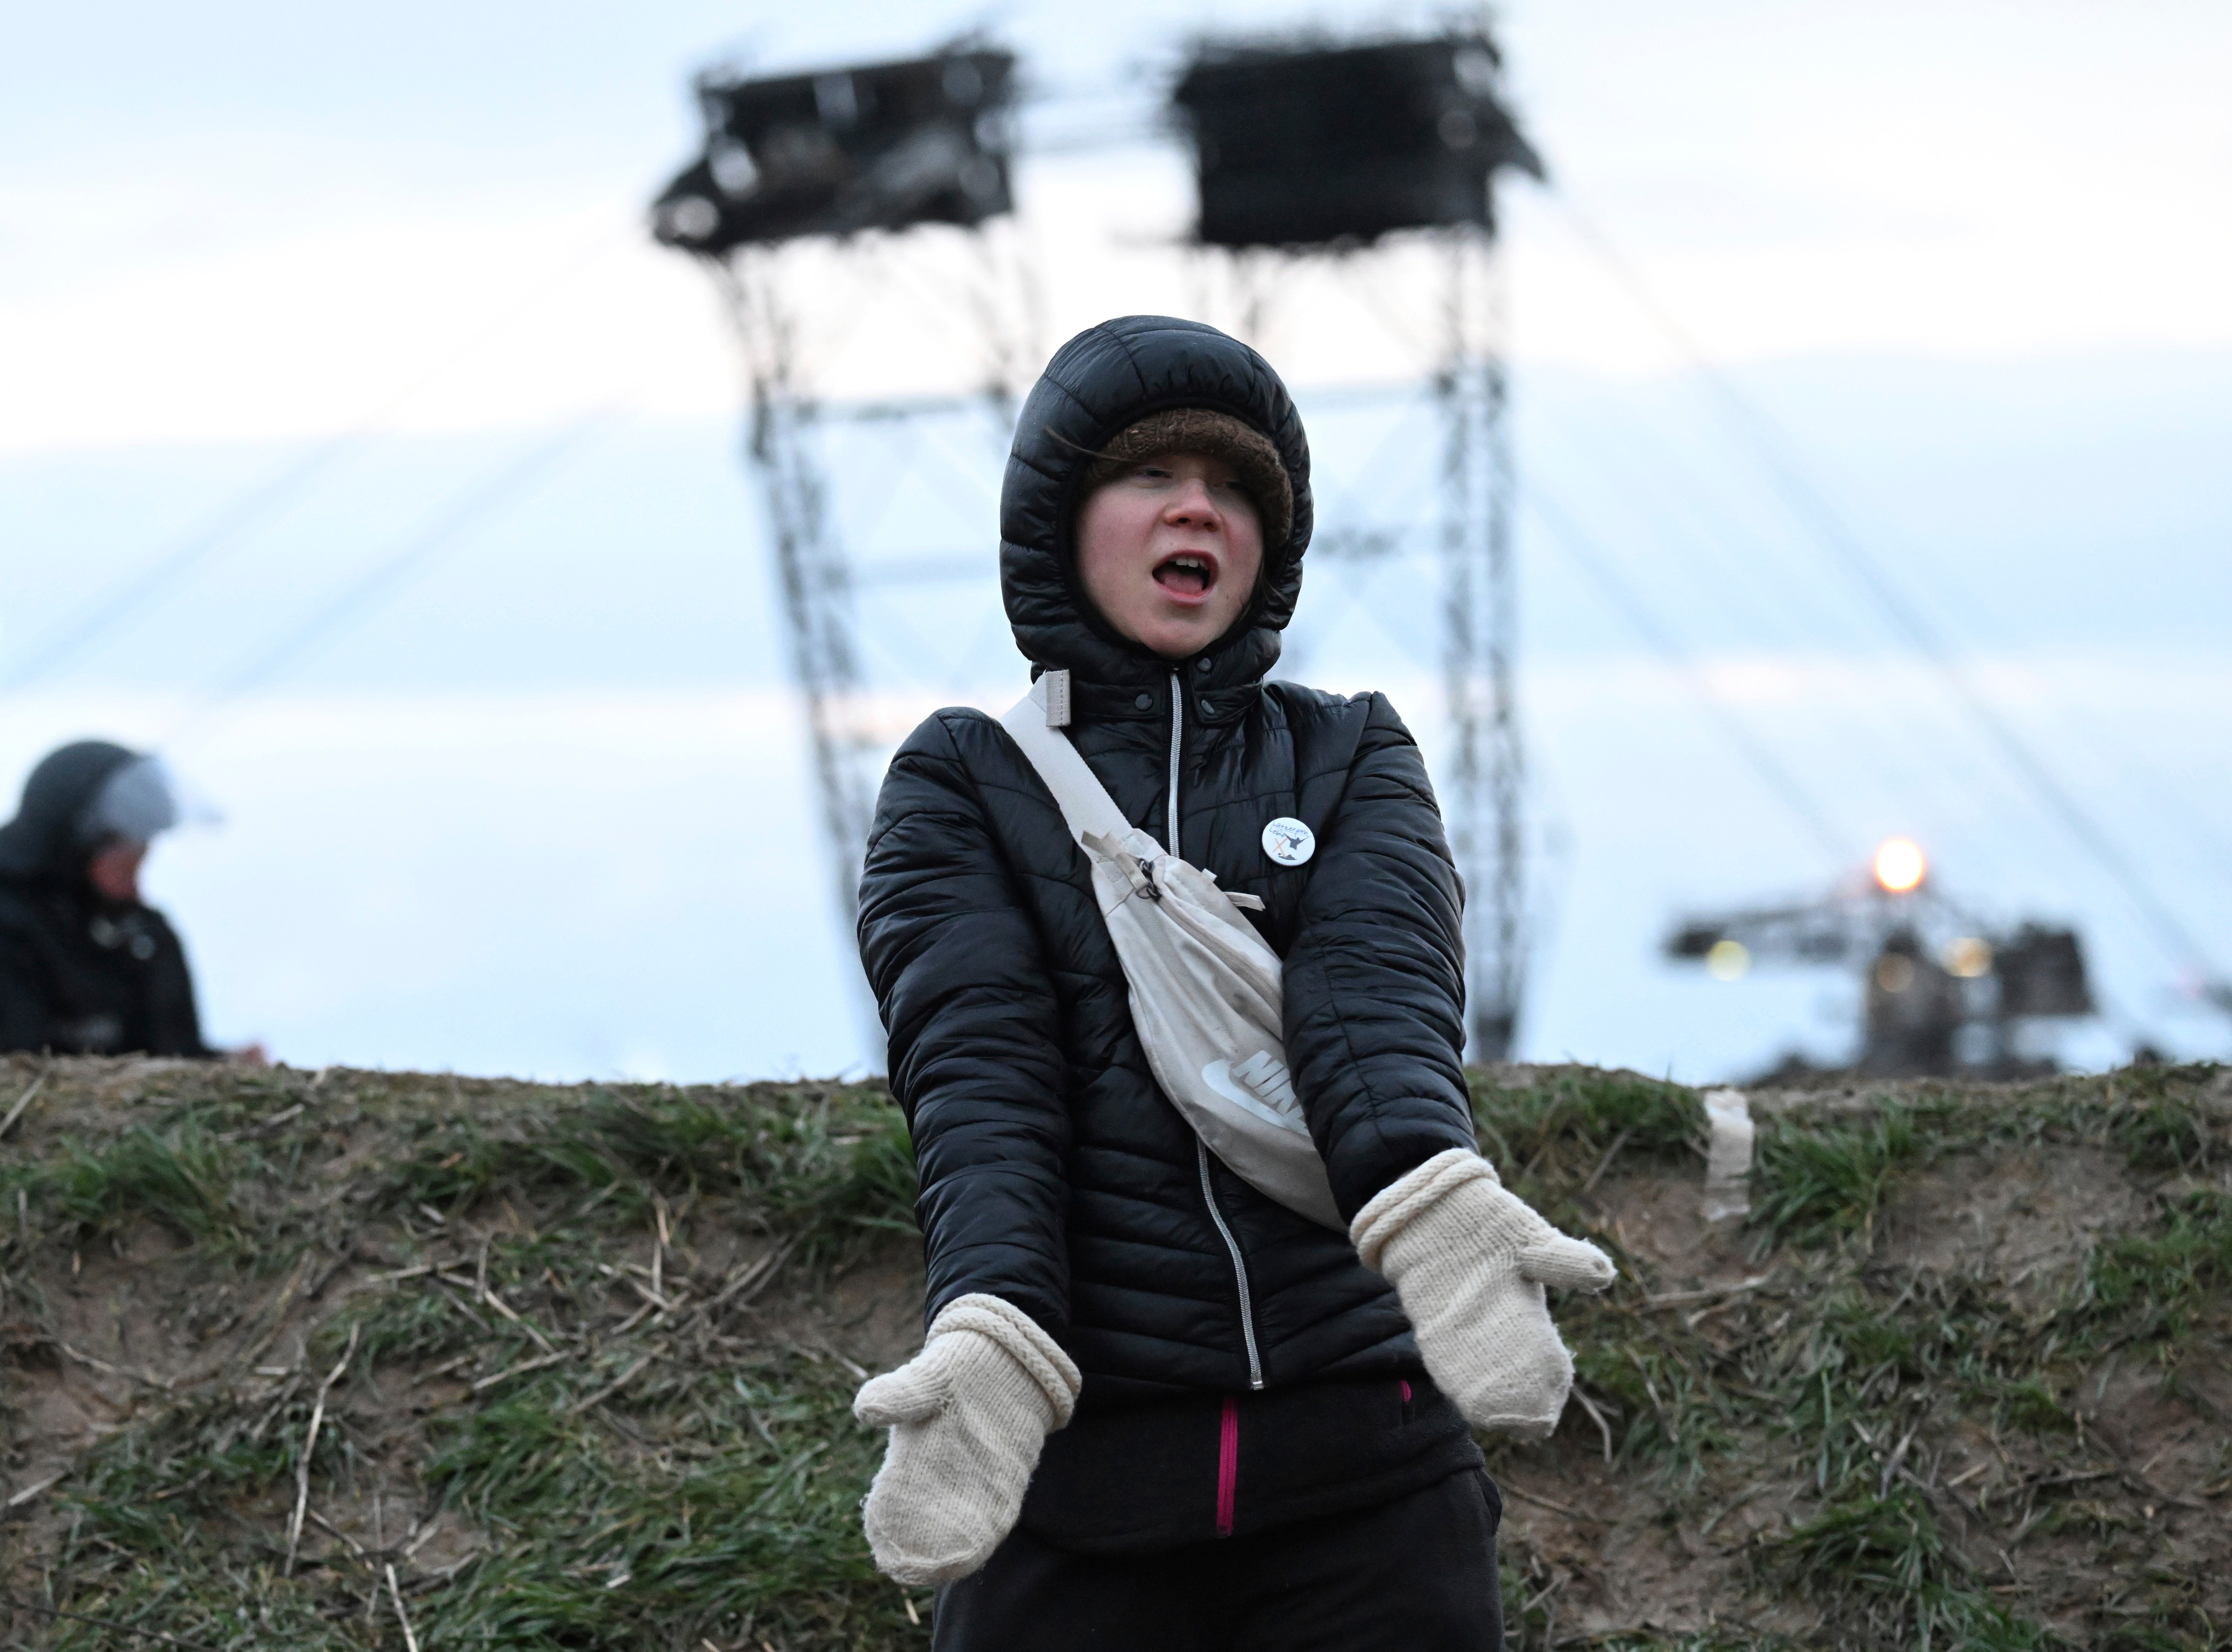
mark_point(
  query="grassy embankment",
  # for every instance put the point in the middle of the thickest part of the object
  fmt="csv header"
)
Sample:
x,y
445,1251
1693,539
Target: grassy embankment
x,y
572,1365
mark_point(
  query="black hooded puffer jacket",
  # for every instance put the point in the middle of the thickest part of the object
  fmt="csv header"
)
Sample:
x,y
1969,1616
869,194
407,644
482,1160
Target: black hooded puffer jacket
x,y
81,975
1055,1174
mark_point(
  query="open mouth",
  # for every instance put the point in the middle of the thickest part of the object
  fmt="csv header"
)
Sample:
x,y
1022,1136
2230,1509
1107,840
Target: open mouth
x,y
1186,574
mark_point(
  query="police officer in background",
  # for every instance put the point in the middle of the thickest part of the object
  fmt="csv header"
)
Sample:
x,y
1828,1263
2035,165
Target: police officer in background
x,y
86,967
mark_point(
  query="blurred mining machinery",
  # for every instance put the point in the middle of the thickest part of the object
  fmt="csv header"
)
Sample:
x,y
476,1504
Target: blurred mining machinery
x,y
1301,152
828,157
1943,994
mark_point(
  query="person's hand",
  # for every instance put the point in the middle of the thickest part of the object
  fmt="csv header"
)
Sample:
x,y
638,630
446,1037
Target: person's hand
x,y
1468,1261
968,1416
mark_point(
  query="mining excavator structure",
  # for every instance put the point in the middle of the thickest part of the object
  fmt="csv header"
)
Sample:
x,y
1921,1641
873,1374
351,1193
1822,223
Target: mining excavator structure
x,y
1942,993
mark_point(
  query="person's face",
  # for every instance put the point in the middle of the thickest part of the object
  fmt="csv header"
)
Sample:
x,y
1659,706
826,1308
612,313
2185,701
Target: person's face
x,y
114,871
1169,552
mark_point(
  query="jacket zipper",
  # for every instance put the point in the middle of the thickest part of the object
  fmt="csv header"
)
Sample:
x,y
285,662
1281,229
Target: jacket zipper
x,y
1239,1268
1201,1150
1177,735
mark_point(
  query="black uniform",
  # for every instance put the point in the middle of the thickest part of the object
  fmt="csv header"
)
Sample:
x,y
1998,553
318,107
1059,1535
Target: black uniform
x,y
1243,1371
81,975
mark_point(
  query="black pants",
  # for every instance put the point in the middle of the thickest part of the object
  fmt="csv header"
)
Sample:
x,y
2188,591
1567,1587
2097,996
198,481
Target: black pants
x,y
1415,1575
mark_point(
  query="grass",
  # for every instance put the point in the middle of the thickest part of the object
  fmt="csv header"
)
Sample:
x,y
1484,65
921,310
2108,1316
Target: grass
x,y
2158,1287
1816,1183
836,1173
1552,1137
551,1459
749,1532
181,1178
1885,1561
669,1477
1847,1389
709,1503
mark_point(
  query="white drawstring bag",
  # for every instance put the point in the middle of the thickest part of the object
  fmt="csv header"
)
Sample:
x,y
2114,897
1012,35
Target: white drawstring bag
x,y
1205,987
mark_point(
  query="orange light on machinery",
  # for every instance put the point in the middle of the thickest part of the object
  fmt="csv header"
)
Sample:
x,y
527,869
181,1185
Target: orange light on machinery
x,y
1899,866
1968,957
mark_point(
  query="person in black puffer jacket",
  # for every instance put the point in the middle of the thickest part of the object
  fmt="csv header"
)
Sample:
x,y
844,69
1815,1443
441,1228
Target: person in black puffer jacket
x,y
1228,1430
86,968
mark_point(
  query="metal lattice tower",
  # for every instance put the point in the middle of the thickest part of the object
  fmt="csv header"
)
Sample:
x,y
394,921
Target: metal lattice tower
x,y
1307,157
1314,151
1484,788
847,159
811,569
996,306
1482,782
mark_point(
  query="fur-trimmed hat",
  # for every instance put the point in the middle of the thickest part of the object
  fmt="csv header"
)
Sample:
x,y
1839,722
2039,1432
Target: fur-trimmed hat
x,y
1201,429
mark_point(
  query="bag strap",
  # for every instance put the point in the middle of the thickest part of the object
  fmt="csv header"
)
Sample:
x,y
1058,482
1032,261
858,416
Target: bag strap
x,y
1086,805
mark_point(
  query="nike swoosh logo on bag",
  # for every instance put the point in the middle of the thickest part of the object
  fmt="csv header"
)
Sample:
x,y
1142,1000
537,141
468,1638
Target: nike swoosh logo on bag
x,y
1260,1085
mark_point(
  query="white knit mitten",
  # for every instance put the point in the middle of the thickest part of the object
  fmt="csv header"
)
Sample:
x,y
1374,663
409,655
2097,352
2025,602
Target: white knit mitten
x,y
1468,1261
968,1416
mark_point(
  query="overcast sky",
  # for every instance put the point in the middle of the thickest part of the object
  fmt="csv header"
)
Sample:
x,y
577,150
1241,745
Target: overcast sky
x,y
533,802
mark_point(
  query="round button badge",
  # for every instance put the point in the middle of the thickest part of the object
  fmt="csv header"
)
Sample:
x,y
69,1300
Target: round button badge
x,y
1287,841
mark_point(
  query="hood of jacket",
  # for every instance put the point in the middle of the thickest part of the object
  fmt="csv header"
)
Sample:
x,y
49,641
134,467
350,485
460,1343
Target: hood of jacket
x,y
42,841
1106,377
